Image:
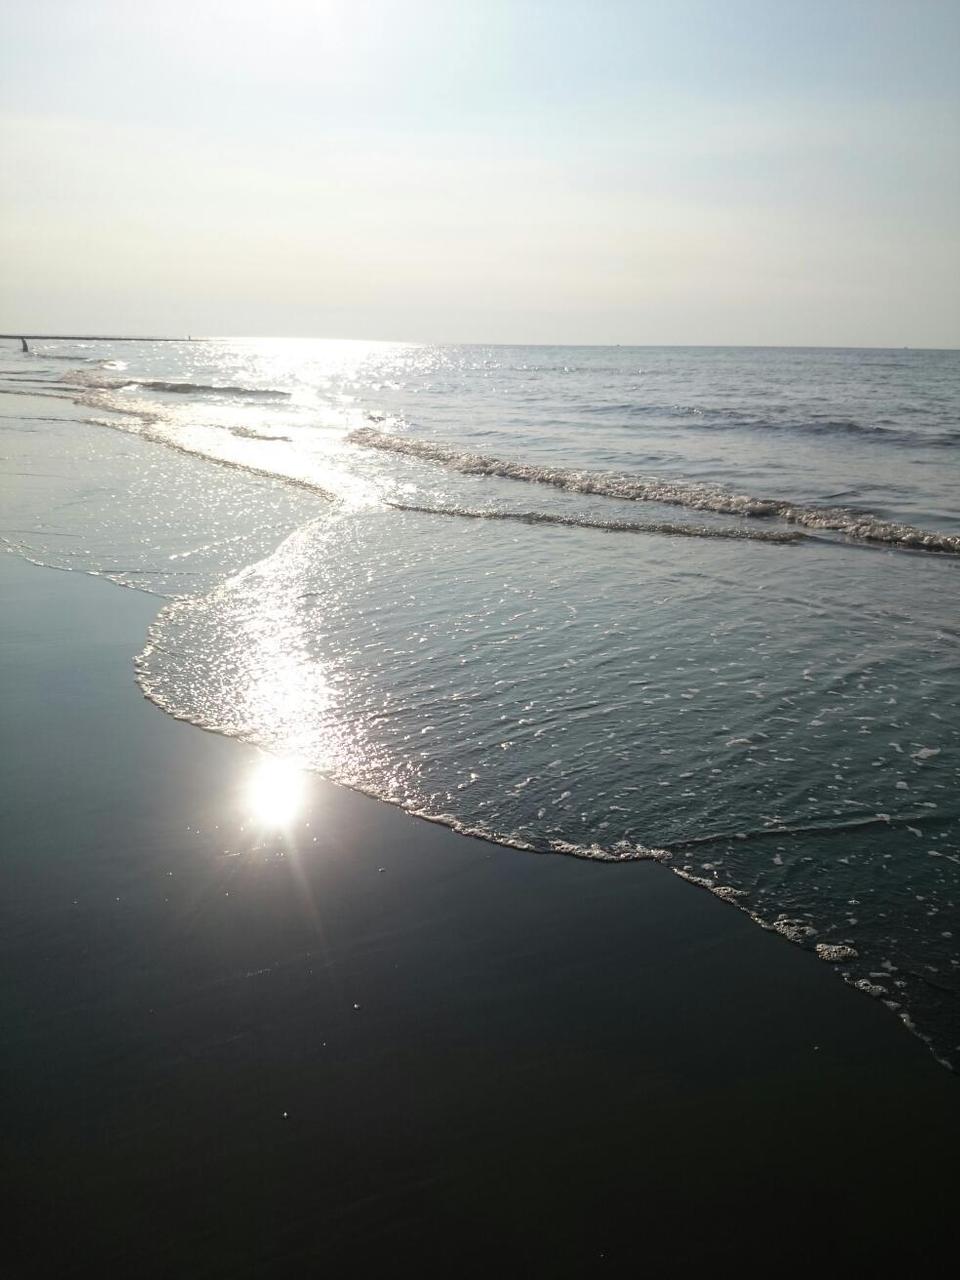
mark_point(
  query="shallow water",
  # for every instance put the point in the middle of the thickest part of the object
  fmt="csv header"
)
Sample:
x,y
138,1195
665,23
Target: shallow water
x,y
690,604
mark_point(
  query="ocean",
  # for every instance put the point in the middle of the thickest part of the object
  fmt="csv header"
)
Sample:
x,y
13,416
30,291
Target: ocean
x,y
695,605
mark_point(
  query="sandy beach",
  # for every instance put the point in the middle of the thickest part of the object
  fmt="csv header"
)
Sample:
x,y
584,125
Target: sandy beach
x,y
372,1042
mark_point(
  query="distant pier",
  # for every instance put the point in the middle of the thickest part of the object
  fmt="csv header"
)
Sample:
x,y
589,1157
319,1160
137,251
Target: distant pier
x,y
89,337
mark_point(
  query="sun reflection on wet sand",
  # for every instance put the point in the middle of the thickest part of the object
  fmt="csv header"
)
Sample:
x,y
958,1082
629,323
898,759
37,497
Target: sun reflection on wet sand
x,y
274,793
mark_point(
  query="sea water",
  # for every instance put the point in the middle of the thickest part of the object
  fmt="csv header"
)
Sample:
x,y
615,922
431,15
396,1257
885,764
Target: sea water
x,y
691,604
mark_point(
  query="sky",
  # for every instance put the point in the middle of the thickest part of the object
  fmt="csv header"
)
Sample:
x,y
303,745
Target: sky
x,y
771,172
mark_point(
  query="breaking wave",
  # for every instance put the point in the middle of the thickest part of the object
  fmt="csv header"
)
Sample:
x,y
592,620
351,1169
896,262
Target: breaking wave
x,y
192,388
859,525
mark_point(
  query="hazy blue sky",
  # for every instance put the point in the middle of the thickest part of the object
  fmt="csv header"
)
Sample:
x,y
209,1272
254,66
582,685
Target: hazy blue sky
x,y
715,171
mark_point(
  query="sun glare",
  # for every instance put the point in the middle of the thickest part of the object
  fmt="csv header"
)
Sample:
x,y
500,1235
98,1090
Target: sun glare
x,y
274,792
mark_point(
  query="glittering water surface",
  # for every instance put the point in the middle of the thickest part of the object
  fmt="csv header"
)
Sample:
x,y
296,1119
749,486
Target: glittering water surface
x,y
690,604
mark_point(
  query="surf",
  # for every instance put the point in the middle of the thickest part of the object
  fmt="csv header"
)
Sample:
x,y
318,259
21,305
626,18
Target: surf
x,y
857,525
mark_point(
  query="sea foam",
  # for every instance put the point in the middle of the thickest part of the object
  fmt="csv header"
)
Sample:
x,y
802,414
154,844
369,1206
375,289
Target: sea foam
x,y
860,525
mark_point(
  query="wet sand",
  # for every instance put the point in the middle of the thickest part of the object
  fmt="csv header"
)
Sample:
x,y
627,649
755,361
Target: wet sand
x,y
371,1043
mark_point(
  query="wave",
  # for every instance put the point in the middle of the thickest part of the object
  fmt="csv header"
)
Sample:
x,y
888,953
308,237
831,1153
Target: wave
x,y
216,389
609,526
148,431
35,417
861,526
34,392
843,426
249,433
191,388
716,418
826,827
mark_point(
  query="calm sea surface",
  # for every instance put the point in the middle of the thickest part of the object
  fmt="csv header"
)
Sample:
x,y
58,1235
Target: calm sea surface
x,y
692,604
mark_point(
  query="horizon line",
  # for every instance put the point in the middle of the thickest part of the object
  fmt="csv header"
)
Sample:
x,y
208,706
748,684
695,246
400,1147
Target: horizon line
x,y
263,337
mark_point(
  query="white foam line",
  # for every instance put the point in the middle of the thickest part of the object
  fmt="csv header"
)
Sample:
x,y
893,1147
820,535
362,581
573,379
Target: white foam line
x,y
701,497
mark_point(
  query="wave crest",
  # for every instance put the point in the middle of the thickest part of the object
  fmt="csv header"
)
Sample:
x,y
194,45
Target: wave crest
x,y
189,388
859,525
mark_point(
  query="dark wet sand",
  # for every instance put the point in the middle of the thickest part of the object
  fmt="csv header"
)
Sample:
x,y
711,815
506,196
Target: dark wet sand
x,y
221,1061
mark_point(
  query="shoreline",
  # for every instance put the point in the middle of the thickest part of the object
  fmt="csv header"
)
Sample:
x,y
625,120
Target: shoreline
x,y
233,1054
